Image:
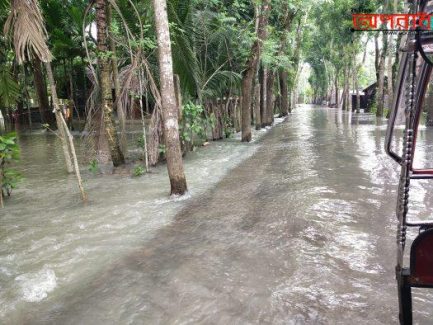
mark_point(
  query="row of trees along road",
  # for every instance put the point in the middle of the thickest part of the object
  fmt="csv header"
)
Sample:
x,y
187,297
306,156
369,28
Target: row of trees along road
x,y
192,69
338,56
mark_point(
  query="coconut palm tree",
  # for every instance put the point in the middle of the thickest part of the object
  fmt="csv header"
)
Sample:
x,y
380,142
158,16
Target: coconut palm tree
x,y
106,101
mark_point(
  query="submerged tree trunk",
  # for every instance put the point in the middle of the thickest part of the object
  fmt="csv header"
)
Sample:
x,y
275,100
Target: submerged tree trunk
x,y
294,99
376,55
283,74
270,99
396,60
296,60
390,90
257,113
250,71
263,75
169,105
284,93
41,93
356,78
247,82
106,99
236,115
337,72
358,94
121,115
348,101
380,91
381,81
330,89
345,106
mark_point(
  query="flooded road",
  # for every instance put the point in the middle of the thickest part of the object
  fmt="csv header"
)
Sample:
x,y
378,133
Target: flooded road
x,y
302,231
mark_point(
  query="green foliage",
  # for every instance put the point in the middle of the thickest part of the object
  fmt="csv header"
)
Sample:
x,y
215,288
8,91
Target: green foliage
x,y
329,44
162,149
229,129
269,53
9,88
106,55
9,150
140,141
138,171
9,153
64,21
373,107
94,166
194,123
147,43
10,181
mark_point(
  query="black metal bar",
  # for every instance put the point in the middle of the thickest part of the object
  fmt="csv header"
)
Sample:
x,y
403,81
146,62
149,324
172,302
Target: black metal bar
x,y
405,296
396,103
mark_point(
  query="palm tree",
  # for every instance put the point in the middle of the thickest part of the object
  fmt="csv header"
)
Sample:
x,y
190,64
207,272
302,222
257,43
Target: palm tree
x,y
106,100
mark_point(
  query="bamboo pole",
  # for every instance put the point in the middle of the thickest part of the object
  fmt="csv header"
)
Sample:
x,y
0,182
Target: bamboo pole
x,y
143,122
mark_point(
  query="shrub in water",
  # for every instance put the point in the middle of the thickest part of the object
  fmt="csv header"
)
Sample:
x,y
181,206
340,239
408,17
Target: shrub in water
x,y
9,153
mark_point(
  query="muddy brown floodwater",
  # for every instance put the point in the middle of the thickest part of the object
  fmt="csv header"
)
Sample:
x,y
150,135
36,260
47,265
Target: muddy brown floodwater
x,y
301,232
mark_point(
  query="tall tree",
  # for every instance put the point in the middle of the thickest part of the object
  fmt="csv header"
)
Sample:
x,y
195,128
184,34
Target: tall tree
x,y
250,71
106,99
296,62
337,74
284,92
270,98
169,103
263,76
391,53
257,113
356,73
346,90
380,64
286,23
114,60
380,94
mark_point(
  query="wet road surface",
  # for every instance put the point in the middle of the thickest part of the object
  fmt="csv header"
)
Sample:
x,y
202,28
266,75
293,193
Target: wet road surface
x,y
302,232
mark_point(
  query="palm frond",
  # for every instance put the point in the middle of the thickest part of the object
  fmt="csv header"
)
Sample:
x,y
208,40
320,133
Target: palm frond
x,y
25,25
9,88
185,61
220,82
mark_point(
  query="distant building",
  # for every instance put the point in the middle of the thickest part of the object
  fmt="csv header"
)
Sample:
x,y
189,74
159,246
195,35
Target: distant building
x,y
368,96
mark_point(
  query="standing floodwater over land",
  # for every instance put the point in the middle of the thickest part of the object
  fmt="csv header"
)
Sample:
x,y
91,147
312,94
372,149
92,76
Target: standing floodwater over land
x,y
309,238
216,162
